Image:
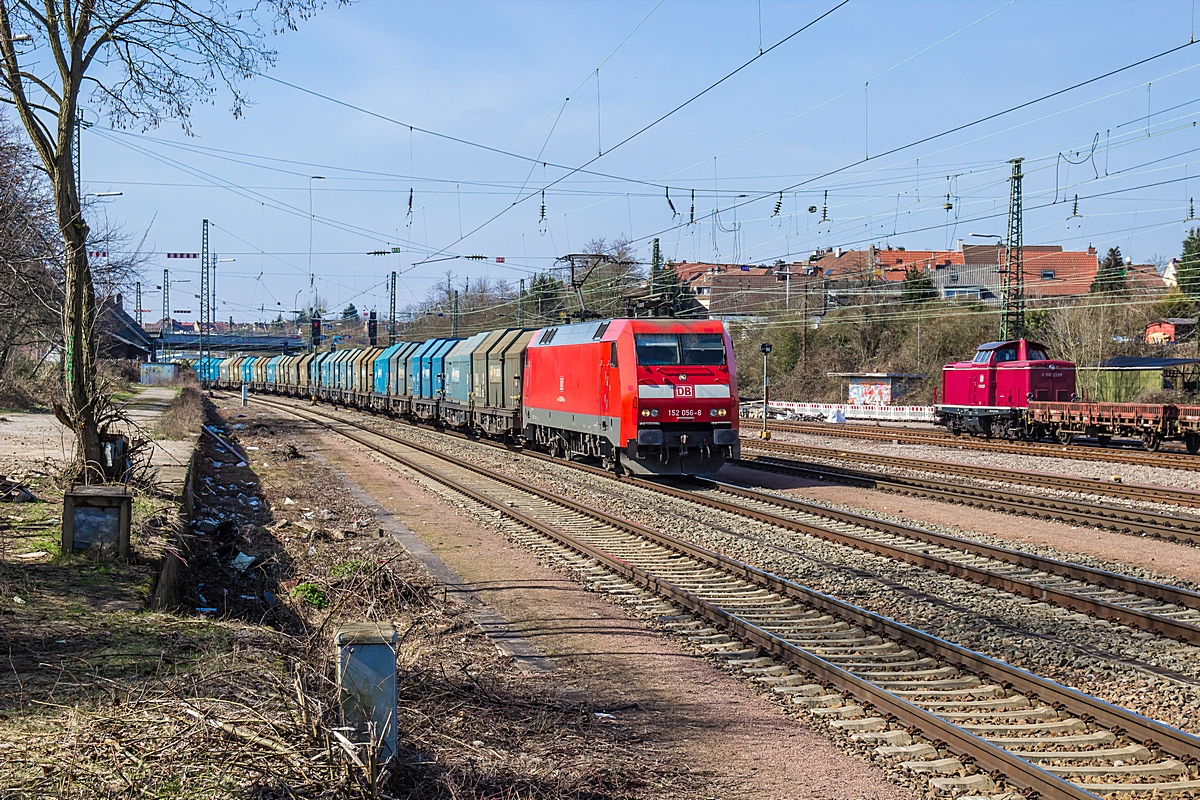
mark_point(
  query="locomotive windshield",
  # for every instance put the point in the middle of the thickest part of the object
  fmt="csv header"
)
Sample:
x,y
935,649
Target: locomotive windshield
x,y
1037,354
669,349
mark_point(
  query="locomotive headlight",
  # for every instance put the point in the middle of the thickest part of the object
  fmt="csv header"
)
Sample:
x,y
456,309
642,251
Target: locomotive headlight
x,y
712,412
654,412
722,412
645,412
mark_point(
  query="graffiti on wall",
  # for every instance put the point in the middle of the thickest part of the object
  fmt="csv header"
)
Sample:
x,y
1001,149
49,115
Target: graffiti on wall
x,y
870,392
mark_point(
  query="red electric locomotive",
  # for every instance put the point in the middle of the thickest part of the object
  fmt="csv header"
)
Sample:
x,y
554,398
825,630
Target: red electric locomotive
x,y
988,395
654,396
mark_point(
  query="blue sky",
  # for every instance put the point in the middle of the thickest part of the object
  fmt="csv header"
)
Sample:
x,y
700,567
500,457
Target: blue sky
x,y
497,74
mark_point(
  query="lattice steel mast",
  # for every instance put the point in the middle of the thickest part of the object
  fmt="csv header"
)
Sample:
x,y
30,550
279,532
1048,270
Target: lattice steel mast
x,y
1012,323
205,307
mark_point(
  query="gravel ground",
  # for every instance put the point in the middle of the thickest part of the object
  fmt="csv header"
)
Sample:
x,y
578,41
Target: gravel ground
x,y
1056,494
1111,662
1129,473
734,740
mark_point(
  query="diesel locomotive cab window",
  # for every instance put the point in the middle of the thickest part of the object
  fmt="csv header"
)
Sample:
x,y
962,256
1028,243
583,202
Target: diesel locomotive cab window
x,y
1037,354
1006,354
981,357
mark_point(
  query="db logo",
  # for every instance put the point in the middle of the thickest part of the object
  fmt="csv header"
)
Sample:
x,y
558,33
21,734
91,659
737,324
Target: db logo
x,y
685,391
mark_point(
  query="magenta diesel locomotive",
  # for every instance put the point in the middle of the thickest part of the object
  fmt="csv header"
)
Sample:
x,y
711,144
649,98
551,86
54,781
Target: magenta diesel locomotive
x,y
1013,390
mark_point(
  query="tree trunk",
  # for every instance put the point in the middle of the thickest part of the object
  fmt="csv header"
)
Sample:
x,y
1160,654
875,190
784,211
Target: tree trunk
x,y
81,406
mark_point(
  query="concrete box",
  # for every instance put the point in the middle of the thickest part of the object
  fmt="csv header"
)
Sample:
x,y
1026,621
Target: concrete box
x,y
97,517
366,676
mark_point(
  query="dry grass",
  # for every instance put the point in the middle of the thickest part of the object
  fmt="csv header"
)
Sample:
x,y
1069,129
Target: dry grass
x,y
182,417
104,703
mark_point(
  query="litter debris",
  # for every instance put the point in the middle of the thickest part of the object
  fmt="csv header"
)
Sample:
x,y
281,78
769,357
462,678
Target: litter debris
x,y
242,562
33,555
602,715
19,601
241,463
251,448
287,501
207,610
13,492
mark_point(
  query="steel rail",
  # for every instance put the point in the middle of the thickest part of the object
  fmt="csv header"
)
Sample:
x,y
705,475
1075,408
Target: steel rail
x,y
1171,460
1067,483
1071,600
1118,518
989,757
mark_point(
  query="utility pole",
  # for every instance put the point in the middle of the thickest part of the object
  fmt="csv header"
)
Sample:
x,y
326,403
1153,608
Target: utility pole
x,y
521,306
162,326
804,332
392,312
138,308
205,307
1012,324
454,315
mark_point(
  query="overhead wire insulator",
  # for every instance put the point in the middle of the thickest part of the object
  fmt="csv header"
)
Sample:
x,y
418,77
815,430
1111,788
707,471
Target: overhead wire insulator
x,y
674,213
542,226
692,214
778,206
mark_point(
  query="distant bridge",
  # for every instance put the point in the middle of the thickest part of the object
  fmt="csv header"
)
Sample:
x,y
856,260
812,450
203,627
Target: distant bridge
x,y
232,343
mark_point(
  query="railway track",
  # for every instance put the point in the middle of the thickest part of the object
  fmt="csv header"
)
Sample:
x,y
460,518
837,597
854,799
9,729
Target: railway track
x,y
1167,459
965,722
1120,599
1042,480
1122,519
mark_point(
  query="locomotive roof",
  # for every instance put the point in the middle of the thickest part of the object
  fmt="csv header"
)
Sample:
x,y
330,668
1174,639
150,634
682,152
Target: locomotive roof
x,y
995,345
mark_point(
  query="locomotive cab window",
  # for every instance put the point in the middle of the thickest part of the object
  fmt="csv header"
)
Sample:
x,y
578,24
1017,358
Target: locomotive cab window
x,y
656,349
689,349
612,354
703,349
1037,354
1006,354
982,357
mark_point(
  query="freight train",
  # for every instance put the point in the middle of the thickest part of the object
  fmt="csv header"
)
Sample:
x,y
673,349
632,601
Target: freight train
x,y
1013,390
651,396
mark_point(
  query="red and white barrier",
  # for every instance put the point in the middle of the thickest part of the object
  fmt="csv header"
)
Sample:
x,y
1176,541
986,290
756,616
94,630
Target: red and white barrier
x,y
849,411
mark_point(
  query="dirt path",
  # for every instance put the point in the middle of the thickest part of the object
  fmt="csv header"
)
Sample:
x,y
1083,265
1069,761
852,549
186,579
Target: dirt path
x,y
658,694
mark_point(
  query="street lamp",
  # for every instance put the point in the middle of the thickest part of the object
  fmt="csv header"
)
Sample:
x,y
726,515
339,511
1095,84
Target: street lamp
x,y
765,349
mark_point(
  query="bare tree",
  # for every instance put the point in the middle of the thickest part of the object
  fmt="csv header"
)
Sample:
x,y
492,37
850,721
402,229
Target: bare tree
x,y
29,302
143,61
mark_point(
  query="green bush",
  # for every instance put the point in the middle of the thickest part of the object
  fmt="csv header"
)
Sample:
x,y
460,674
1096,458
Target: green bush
x,y
311,594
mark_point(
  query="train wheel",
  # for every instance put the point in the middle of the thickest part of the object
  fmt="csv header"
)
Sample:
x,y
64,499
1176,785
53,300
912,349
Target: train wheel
x,y
1192,442
1151,441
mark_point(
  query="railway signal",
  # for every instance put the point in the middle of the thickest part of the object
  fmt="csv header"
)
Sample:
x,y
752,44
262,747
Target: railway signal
x,y
765,349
